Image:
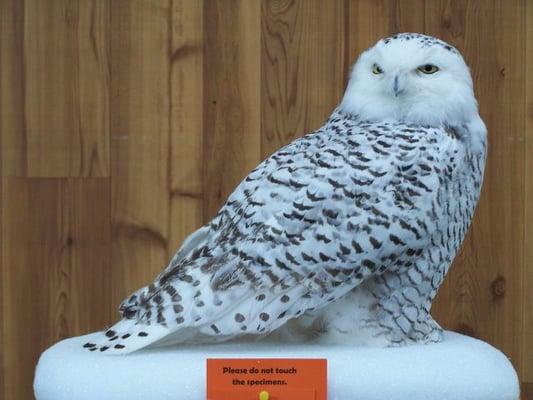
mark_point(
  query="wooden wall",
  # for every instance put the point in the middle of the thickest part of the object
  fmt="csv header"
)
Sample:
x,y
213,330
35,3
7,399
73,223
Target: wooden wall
x,y
125,123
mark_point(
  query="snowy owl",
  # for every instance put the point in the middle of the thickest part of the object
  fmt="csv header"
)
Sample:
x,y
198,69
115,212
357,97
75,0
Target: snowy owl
x,y
345,234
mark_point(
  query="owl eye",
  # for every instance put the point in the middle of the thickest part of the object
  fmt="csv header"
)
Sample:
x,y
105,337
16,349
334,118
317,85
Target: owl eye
x,y
376,69
428,69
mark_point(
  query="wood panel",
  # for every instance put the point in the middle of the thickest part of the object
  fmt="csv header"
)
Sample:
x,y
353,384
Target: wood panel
x,y
483,294
57,245
527,343
526,391
371,20
2,319
300,86
186,167
12,75
140,115
57,120
231,97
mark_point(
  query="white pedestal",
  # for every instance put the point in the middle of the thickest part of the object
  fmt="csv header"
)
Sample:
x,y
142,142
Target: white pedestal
x,y
460,368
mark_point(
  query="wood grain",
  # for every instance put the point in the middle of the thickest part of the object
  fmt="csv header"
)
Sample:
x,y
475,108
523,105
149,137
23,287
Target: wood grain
x,y
13,130
186,163
140,123
231,97
58,283
371,20
527,342
527,391
483,294
2,319
60,122
300,85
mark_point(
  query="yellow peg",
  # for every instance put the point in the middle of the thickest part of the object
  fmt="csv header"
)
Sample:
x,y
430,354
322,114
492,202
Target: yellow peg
x,y
264,395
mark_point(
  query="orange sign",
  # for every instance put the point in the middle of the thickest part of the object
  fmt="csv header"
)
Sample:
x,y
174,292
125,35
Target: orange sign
x,y
266,379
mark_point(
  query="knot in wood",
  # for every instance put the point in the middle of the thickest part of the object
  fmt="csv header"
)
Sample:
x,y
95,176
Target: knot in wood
x,y
498,287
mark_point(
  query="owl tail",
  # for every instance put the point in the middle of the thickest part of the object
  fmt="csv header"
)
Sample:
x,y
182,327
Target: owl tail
x,y
136,303
126,336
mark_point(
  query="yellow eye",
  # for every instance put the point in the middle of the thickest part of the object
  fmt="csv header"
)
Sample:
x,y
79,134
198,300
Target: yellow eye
x,y
376,69
428,69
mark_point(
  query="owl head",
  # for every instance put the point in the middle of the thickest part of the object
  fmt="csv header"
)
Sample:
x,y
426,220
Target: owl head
x,y
412,78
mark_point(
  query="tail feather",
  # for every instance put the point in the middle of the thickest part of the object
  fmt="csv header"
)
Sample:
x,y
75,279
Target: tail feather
x,y
127,336
129,308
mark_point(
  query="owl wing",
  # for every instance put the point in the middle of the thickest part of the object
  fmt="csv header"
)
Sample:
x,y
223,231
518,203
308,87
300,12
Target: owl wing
x,y
308,225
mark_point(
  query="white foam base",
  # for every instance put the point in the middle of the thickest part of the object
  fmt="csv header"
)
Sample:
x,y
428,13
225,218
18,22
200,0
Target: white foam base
x,y
458,368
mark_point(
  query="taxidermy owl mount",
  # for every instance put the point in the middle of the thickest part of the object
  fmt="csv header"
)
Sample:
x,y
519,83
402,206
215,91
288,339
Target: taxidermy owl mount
x,y
342,236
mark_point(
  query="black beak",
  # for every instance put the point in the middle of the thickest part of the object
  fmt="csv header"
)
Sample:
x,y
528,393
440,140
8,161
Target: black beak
x,y
396,87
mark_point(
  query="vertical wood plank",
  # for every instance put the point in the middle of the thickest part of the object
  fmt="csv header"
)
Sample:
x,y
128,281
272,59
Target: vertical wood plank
x,y
6,48
231,96
58,283
482,295
186,131
12,72
88,202
58,124
371,20
527,391
3,321
140,123
527,342
303,72
91,87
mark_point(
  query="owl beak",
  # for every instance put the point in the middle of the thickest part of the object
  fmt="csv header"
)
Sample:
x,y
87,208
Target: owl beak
x,y
398,85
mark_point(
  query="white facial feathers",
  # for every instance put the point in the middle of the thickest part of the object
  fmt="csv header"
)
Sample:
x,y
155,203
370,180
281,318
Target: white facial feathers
x,y
411,78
